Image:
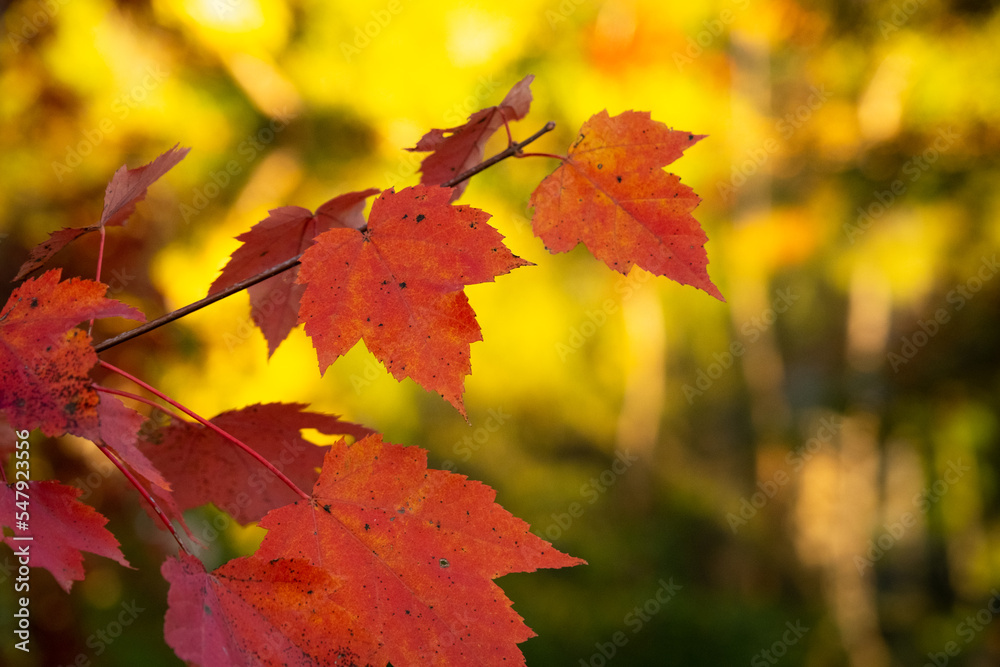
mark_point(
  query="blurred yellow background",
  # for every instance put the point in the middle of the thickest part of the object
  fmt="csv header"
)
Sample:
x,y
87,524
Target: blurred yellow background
x,y
804,475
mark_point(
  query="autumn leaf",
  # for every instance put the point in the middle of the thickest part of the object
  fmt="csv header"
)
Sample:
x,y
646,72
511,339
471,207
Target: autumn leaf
x,y
126,188
252,613
612,195
44,359
415,552
204,467
457,149
62,527
284,234
398,285
119,430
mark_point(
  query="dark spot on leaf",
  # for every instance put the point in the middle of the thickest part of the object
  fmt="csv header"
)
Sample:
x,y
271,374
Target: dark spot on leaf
x,y
420,217
34,303
690,137
619,178
402,285
444,562
326,508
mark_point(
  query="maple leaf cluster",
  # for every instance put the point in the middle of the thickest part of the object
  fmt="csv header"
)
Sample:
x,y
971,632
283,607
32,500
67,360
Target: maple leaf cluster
x,y
370,557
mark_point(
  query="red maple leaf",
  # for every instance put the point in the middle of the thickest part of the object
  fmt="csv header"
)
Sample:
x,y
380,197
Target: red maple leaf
x,y
204,467
126,188
612,195
251,612
119,430
457,149
44,359
399,286
283,234
415,552
61,526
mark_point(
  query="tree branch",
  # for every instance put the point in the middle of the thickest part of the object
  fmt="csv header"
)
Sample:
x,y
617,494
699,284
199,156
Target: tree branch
x,y
511,151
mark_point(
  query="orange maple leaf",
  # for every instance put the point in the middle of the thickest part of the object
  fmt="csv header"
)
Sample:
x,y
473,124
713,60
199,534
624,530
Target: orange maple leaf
x,y
612,195
398,285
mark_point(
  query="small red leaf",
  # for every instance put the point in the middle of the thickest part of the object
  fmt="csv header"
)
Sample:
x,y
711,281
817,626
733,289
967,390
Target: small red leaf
x,y
283,234
44,360
398,286
126,188
612,195
62,527
457,149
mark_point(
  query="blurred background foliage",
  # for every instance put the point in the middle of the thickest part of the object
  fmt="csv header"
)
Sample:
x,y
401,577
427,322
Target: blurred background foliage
x,y
813,463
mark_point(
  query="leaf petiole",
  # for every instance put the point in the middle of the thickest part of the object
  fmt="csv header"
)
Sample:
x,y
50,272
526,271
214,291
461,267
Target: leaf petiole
x,y
207,424
145,494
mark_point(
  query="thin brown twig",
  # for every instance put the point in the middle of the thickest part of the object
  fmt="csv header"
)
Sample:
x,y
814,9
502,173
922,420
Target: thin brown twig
x,y
511,151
